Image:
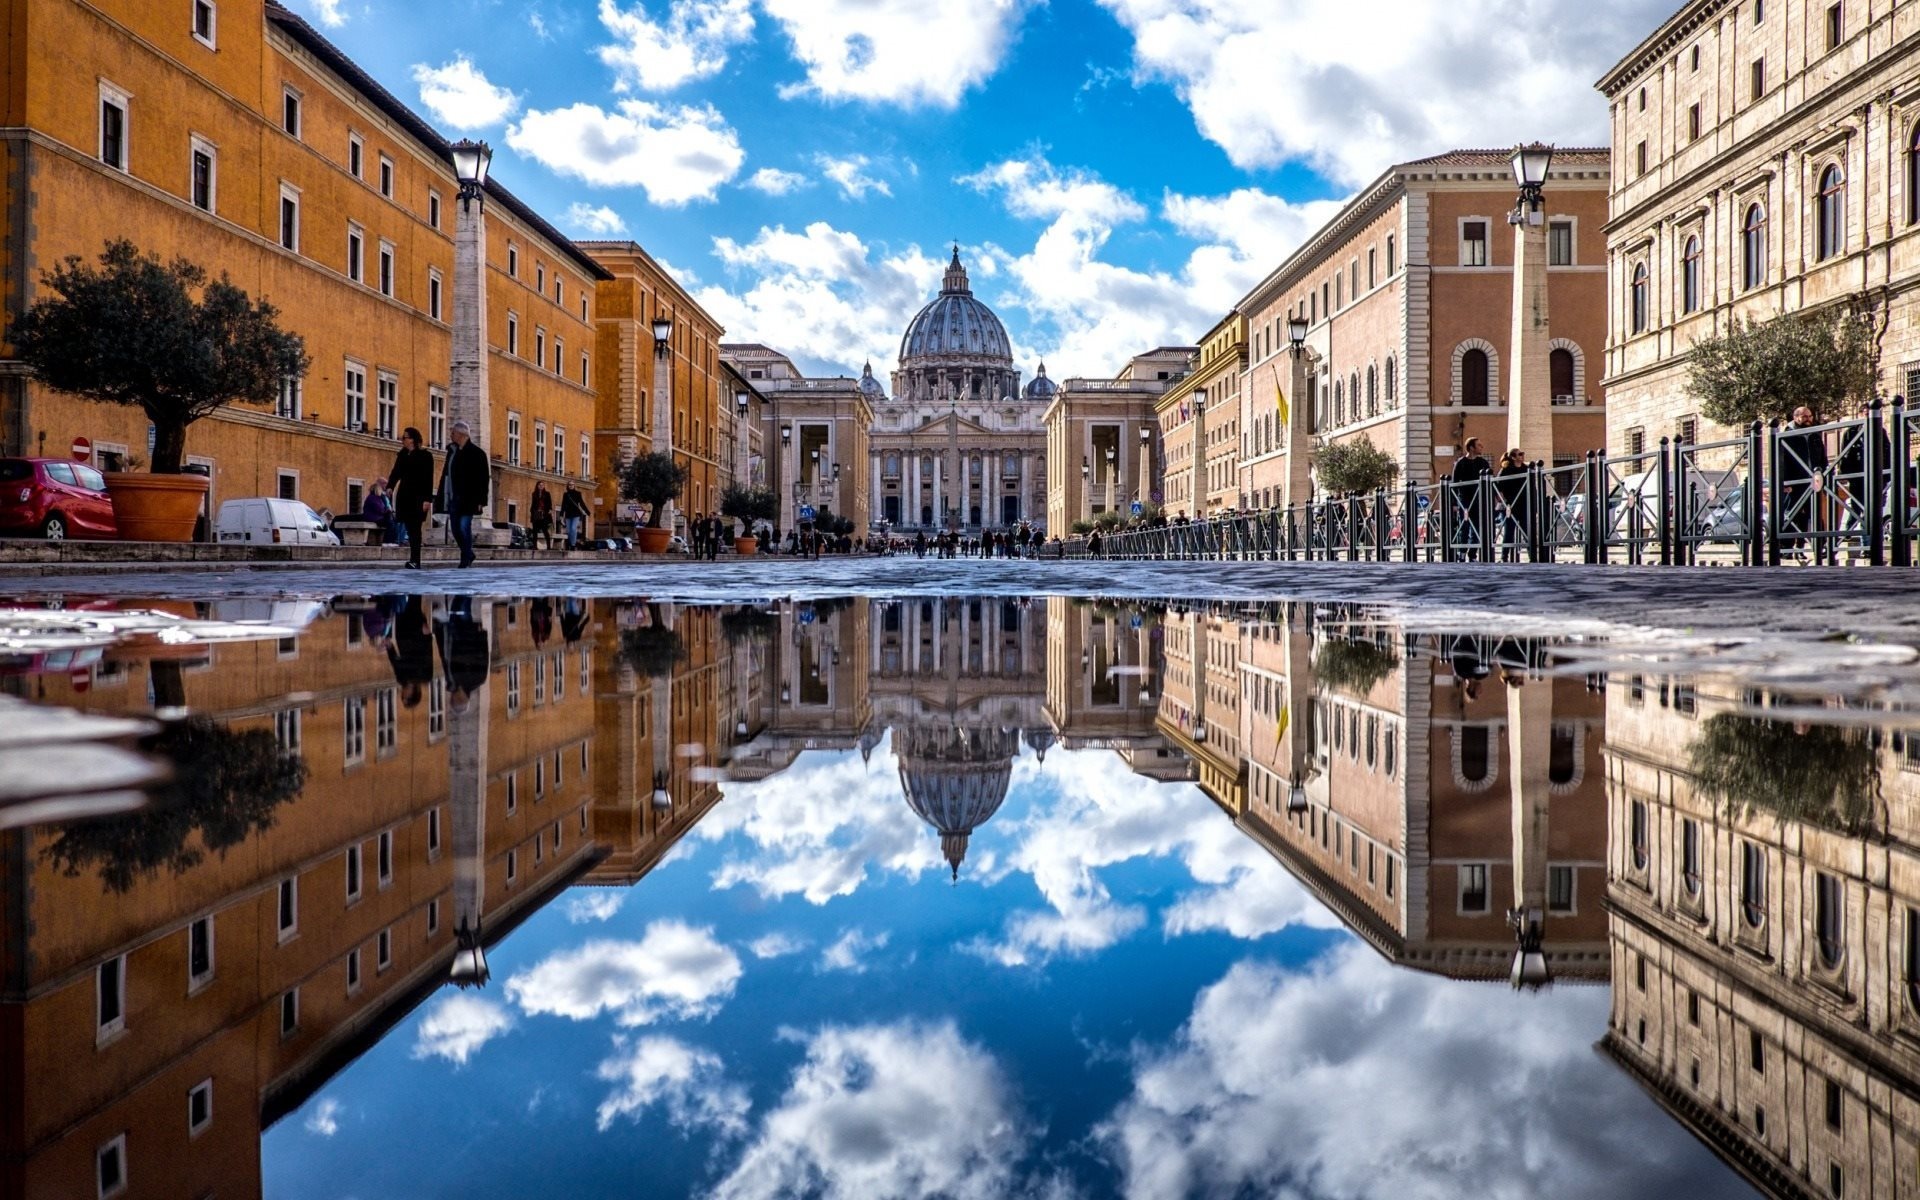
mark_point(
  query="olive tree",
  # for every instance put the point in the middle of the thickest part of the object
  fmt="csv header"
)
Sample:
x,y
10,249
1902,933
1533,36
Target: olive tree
x,y
1763,370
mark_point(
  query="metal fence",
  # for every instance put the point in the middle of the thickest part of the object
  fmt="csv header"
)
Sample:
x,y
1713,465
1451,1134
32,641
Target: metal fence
x,y
1842,492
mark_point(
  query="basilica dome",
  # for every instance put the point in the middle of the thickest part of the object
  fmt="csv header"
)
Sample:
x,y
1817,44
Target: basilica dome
x,y
1042,388
955,780
872,388
957,326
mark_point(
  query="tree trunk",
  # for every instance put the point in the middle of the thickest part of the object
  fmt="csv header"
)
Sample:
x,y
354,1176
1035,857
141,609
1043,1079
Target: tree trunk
x,y
659,510
169,446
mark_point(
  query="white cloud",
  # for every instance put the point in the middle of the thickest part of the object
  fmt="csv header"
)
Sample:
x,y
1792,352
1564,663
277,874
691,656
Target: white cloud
x,y
678,154
674,972
775,182
690,44
1314,1053
331,13
324,1120
850,175
459,95
1353,88
776,945
850,951
887,1113
597,904
819,827
458,1026
905,52
538,24
688,1081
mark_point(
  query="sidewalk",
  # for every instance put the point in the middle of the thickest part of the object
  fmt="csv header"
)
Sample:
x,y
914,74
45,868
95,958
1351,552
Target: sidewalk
x,y
30,558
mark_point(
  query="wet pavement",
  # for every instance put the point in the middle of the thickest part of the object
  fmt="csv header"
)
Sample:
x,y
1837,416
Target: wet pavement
x,y
1054,888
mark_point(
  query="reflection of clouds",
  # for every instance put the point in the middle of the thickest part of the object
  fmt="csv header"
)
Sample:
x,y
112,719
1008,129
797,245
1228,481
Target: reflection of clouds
x,y
688,1081
850,951
819,826
597,905
1388,1083
777,945
886,1111
674,972
1103,815
324,1120
456,1028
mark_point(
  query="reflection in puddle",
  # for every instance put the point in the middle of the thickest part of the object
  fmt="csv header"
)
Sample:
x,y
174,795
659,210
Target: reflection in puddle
x,y
938,897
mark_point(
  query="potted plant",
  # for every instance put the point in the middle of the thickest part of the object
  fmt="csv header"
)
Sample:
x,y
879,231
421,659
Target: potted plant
x,y
654,480
1354,468
166,339
748,506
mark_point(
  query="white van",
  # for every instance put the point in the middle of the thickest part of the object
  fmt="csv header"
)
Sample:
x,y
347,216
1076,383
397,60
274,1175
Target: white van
x,y
266,521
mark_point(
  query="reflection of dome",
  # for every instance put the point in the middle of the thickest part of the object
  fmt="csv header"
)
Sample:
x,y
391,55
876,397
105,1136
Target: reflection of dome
x,y
1041,388
871,386
955,780
956,324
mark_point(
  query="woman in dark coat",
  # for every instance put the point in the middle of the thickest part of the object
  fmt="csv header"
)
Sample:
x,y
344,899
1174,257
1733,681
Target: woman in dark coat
x,y
411,482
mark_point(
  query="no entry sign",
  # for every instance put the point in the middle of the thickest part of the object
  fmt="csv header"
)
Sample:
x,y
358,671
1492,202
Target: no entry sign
x,y
82,450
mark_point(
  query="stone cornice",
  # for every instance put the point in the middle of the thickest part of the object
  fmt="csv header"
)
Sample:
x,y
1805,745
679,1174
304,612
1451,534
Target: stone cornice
x,y
1659,44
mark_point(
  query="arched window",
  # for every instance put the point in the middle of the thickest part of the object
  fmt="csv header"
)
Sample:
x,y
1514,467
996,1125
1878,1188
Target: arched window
x,y
1353,395
1690,276
1563,750
1830,909
1473,377
1339,403
1753,247
1832,212
1561,368
1639,297
1913,176
1373,391
1476,753
1393,386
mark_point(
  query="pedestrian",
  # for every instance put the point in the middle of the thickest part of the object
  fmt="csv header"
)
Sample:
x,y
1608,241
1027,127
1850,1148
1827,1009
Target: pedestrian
x,y
411,484
377,509
1093,544
1468,471
573,515
465,655
410,649
1803,469
697,531
463,487
540,510
1510,481
1855,487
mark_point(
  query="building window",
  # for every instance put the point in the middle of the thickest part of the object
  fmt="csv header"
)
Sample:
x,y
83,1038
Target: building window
x,y
433,831
355,414
1830,912
289,916
433,292
1690,856
1560,889
539,346
1560,244
539,446
356,153
199,1107
433,917
1759,78
1636,445
1690,276
289,482
540,277
1753,246
1832,212
386,268
1640,159
1753,884
1836,1104
353,970
290,1013
1638,829
1913,176
290,111
113,127
433,209
1474,896
355,738
513,438
513,333
110,997
1561,369
1756,1052
199,953
1639,298
586,370
383,950
201,175
356,253
110,1168
1696,58
559,356
1475,372
436,418
513,260
1473,244
513,865
353,873
289,219
383,860
386,177
1836,26
560,467
204,22
1693,123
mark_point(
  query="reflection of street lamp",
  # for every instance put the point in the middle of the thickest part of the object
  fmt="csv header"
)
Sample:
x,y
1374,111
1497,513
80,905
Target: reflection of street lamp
x,y
1296,795
1529,955
469,958
661,797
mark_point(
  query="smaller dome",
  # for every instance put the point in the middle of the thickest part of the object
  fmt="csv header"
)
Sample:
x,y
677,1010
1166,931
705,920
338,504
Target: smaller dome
x,y
871,386
1042,388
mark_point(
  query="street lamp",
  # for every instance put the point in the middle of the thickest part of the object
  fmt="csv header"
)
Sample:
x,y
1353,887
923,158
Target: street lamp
x,y
1297,333
1530,341
786,435
469,958
740,402
661,797
1530,969
1530,165
1086,467
471,161
1296,795
467,387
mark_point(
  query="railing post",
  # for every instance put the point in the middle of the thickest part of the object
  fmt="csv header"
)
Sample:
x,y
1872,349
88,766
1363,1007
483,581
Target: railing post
x,y
1446,502
1595,513
1752,535
1379,525
1876,497
1409,524
1663,504
1901,477
1774,492
1539,512
1489,536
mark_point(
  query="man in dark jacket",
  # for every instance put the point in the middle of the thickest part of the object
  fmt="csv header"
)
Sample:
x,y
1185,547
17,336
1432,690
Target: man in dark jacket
x,y
464,652
1803,469
1471,467
410,649
411,482
464,483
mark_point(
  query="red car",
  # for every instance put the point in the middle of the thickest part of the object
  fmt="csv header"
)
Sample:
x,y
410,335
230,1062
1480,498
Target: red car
x,y
54,499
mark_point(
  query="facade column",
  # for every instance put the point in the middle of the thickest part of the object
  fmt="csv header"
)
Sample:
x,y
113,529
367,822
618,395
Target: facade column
x,y
1299,479
1199,455
468,396
1026,486
910,511
663,410
1529,364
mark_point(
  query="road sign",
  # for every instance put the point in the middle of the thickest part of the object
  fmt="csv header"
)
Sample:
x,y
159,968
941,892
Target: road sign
x,y
1423,501
82,450
1157,497
806,512
1137,508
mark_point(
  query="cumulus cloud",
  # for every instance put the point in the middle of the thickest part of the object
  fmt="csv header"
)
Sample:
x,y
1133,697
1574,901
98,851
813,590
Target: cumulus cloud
x,y
678,154
776,945
460,96
690,1083
331,13
887,1112
877,50
851,176
775,182
324,1120
598,904
690,44
674,972
1314,1053
458,1026
1353,88
849,952
817,829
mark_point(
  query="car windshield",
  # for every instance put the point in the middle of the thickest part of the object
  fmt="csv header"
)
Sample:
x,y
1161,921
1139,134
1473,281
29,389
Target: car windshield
x,y
91,479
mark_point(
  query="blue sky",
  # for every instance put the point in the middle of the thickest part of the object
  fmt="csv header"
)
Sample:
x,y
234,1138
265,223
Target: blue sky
x,y
1119,172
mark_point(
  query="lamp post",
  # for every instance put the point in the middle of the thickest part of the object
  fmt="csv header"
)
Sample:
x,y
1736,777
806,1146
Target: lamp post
x,y
1299,481
1113,478
1146,464
1086,488
1530,347
742,450
467,393
1199,453
790,475
663,398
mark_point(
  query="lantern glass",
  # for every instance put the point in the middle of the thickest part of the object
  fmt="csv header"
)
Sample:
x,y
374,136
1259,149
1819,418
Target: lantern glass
x,y
471,160
1530,164
1297,331
662,329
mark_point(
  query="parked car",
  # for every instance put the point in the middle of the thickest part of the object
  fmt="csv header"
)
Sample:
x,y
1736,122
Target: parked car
x,y
519,537
54,499
270,521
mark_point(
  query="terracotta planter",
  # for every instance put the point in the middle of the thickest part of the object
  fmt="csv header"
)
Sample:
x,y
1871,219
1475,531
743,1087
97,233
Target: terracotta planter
x,y
653,541
746,546
156,508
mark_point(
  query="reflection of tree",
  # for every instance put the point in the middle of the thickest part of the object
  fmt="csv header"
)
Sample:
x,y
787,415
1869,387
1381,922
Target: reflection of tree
x,y
1353,666
226,785
653,649
748,624
1820,774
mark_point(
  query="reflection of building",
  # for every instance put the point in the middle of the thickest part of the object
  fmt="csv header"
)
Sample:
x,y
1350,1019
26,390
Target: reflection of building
x,y
1766,961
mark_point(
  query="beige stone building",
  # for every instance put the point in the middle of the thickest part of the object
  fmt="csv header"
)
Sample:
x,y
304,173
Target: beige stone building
x,y
1766,159
1200,422
1408,295
816,432
1099,458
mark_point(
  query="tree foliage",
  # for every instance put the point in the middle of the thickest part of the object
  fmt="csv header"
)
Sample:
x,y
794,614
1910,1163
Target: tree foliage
x,y
653,649
1357,466
1355,666
1763,370
131,331
226,786
1821,774
749,504
654,480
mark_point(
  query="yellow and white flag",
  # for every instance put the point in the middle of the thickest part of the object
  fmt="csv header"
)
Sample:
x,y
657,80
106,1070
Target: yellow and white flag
x,y
1279,396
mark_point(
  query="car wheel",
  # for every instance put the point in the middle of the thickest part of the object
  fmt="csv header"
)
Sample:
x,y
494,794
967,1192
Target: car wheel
x,y
55,529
